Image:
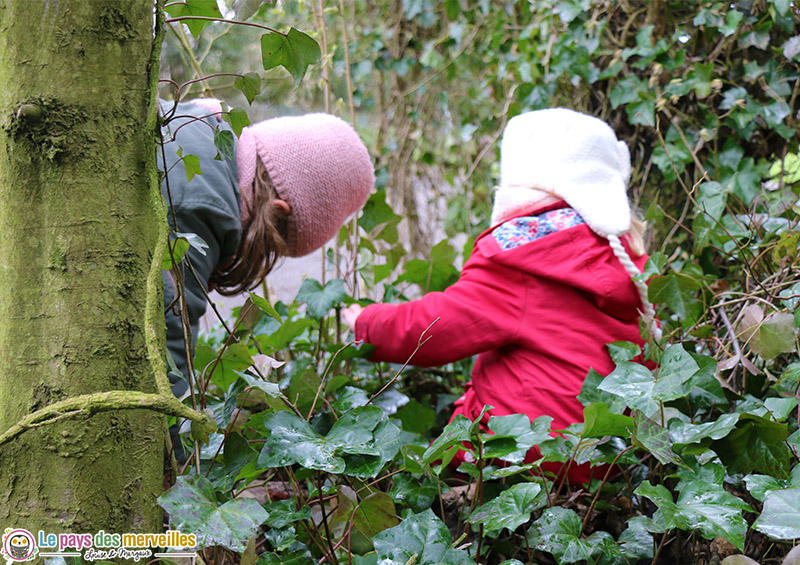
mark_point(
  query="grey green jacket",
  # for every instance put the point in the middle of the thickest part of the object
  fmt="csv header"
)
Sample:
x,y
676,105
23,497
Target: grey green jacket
x,y
208,206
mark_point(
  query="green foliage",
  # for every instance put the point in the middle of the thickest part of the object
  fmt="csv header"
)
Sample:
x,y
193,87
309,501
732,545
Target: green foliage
x,y
192,9
193,506
702,506
512,507
294,51
421,538
558,531
321,299
700,427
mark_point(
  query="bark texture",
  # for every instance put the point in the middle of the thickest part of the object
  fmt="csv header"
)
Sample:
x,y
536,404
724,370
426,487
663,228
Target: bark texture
x,y
78,225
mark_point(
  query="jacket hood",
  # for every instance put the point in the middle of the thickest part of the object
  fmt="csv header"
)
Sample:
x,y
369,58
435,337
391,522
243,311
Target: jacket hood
x,y
572,255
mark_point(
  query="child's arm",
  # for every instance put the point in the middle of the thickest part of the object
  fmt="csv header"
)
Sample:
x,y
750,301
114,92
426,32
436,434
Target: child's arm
x,y
482,311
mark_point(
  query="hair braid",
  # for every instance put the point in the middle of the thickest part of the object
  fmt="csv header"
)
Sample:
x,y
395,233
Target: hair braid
x,y
649,313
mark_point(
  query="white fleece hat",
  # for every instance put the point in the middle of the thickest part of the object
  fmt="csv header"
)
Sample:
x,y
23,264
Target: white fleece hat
x,y
569,155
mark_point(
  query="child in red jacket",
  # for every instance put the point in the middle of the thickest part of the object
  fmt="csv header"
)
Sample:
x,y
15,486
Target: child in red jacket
x,y
547,286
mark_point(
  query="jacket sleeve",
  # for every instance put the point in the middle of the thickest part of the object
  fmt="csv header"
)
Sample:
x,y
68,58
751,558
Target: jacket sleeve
x,y
208,206
480,312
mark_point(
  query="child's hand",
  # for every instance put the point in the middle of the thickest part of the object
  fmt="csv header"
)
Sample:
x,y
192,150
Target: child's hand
x,y
350,314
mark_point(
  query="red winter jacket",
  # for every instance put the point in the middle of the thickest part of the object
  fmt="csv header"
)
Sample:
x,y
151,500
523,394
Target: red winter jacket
x,y
538,300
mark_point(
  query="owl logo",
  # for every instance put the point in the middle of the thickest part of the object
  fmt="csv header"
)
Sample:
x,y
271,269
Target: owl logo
x,y
18,545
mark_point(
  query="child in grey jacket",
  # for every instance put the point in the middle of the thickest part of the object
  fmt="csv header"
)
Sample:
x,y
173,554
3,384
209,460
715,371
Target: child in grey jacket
x,y
292,183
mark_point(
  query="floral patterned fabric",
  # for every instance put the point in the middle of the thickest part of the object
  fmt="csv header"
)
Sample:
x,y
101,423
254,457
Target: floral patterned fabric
x,y
525,229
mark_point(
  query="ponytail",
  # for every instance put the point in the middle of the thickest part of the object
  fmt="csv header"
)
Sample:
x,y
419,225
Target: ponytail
x,y
263,240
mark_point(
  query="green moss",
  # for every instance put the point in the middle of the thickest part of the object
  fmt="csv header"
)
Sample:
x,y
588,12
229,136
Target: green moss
x,y
77,231
58,260
50,126
114,24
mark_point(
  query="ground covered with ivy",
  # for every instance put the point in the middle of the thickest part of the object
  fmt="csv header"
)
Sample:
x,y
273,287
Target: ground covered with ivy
x,y
319,456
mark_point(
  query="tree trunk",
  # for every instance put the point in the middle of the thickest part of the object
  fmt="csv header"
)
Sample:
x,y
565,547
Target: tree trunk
x,y
78,225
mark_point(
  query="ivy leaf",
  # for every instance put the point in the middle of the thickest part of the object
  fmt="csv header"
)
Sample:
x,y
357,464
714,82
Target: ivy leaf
x,y
223,141
511,508
513,437
353,431
791,48
636,542
294,51
292,440
621,351
192,506
249,84
591,393
349,397
265,306
321,299
781,5
642,112
600,422
701,506
284,512
237,453
701,77
235,358
205,8
626,91
179,247
761,485
416,417
677,292
191,165
779,516
288,331
270,389
655,439
375,514
377,213
732,19
677,369
454,433
408,490
558,531
634,383
421,539
662,497
756,445
194,241
237,118
359,443
685,433
436,274
775,335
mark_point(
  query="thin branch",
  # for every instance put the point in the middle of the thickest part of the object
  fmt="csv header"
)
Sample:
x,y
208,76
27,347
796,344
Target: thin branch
x,y
223,20
324,376
420,343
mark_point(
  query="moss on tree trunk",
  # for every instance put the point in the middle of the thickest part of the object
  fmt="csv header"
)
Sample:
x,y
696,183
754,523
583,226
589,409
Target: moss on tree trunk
x,y
77,230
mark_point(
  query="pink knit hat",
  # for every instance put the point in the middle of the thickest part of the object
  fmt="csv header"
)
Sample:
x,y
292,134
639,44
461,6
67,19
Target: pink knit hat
x,y
317,163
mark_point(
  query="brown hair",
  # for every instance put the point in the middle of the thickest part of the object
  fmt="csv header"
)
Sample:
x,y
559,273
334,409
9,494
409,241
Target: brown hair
x,y
263,240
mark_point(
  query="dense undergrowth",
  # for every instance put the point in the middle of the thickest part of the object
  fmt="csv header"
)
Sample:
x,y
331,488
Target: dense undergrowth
x,y
321,456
